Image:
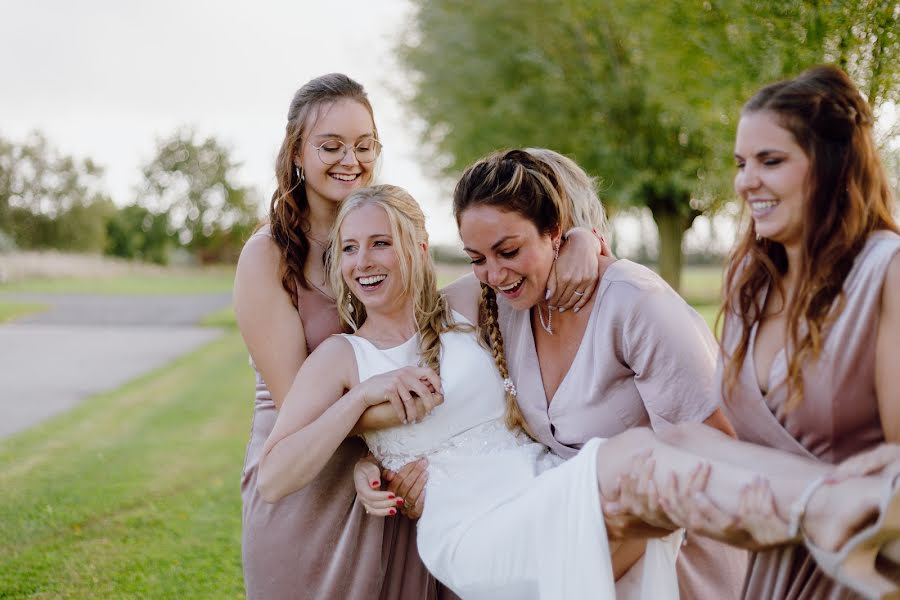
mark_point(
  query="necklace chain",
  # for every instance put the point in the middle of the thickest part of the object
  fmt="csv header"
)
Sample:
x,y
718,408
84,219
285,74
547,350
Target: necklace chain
x,y
321,289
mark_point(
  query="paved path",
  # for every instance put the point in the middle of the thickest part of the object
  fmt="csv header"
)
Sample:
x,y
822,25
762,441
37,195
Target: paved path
x,y
89,344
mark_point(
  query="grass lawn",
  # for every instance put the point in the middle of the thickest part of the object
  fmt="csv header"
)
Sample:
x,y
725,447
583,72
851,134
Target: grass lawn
x,y
199,281
224,317
702,285
10,311
134,493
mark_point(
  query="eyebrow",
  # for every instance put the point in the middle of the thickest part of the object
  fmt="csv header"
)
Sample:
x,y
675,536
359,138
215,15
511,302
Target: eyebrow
x,y
763,153
337,135
371,237
496,244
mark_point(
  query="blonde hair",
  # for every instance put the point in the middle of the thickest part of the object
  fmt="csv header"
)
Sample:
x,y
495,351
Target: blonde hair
x,y
417,275
578,187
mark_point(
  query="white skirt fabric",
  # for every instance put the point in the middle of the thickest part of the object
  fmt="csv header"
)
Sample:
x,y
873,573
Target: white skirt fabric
x,y
524,526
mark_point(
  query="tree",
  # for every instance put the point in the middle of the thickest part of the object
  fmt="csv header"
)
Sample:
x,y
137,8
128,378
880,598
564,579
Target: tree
x,y
194,181
48,199
642,94
135,232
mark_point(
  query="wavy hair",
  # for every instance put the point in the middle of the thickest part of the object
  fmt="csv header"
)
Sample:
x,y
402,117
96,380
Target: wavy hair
x,y
289,208
849,198
430,308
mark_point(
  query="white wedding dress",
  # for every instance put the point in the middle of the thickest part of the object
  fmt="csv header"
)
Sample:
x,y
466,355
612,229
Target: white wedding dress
x,y
503,517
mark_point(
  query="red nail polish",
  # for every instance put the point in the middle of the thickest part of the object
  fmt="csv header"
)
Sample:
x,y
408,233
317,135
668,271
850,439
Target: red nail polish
x,y
374,484
399,501
391,496
392,512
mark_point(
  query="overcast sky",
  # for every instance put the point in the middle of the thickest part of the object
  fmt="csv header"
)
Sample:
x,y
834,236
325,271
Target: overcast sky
x,y
105,78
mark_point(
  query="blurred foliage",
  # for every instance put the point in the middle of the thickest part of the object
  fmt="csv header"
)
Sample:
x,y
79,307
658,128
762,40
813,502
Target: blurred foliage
x,y
642,94
137,233
193,181
48,199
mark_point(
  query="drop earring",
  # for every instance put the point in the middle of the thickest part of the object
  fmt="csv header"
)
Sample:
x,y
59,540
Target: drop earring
x,y
548,326
350,310
300,175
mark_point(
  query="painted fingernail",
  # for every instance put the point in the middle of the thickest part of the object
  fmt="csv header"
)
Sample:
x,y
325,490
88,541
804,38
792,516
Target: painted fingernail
x,y
390,496
576,309
392,512
547,295
374,484
562,309
399,501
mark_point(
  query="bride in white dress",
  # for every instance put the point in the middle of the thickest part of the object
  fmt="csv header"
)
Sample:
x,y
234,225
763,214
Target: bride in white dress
x,y
503,519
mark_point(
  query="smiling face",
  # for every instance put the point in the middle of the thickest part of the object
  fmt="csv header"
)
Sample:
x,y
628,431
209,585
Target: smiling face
x,y
370,261
346,121
772,177
508,253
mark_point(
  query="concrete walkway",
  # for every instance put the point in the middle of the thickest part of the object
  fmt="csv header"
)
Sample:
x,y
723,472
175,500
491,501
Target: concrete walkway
x,y
89,344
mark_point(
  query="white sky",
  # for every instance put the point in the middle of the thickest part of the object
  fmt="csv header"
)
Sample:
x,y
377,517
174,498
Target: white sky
x,y
105,78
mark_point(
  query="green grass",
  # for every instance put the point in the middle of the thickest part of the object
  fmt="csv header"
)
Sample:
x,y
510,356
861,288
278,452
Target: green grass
x,y
224,317
702,285
10,311
709,312
133,493
218,279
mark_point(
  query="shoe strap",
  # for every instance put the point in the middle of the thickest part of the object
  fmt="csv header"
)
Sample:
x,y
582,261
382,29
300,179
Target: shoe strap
x,y
798,508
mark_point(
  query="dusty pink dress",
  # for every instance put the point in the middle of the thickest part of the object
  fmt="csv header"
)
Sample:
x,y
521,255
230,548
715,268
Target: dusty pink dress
x,y
837,418
646,359
318,543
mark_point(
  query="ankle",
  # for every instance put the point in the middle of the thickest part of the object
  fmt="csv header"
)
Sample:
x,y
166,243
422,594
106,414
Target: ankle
x,y
837,511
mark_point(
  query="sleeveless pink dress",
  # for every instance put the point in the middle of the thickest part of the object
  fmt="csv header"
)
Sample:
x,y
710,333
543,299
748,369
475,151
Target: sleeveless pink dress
x,y
838,416
318,543
647,359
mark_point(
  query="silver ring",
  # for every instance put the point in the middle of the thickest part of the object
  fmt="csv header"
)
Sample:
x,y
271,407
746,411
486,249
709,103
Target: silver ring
x,y
577,293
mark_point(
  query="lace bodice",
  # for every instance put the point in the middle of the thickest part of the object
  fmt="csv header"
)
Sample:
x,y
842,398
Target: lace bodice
x,y
471,419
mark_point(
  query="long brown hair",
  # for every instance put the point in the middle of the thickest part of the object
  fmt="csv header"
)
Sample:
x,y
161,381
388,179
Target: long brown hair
x,y
430,308
289,208
849,198
521,182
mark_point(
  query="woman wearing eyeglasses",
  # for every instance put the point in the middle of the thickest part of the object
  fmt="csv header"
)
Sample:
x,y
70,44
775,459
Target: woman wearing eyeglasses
x,y
318,542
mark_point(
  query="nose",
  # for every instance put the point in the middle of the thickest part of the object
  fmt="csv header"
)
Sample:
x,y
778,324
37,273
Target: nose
x,y
349,159
363,258
747,179
495,273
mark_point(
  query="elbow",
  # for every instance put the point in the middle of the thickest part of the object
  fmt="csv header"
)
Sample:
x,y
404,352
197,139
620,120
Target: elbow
x,y
266,486
273,485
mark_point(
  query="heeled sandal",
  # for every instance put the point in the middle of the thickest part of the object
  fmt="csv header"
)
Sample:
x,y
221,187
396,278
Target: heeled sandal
x,y
868,561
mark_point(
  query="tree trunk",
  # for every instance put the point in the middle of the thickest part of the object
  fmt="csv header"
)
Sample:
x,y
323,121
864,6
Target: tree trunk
x,y
671,226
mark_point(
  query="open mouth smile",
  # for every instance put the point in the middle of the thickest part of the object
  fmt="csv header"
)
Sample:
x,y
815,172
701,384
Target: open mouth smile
x,y
345,177
761,208
371,282
512,288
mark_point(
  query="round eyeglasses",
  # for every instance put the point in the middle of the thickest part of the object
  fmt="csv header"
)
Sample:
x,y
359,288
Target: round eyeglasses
x,y
331,152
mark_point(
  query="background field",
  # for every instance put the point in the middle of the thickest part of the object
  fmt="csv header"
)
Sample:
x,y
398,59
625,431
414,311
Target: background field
x,y
135,492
